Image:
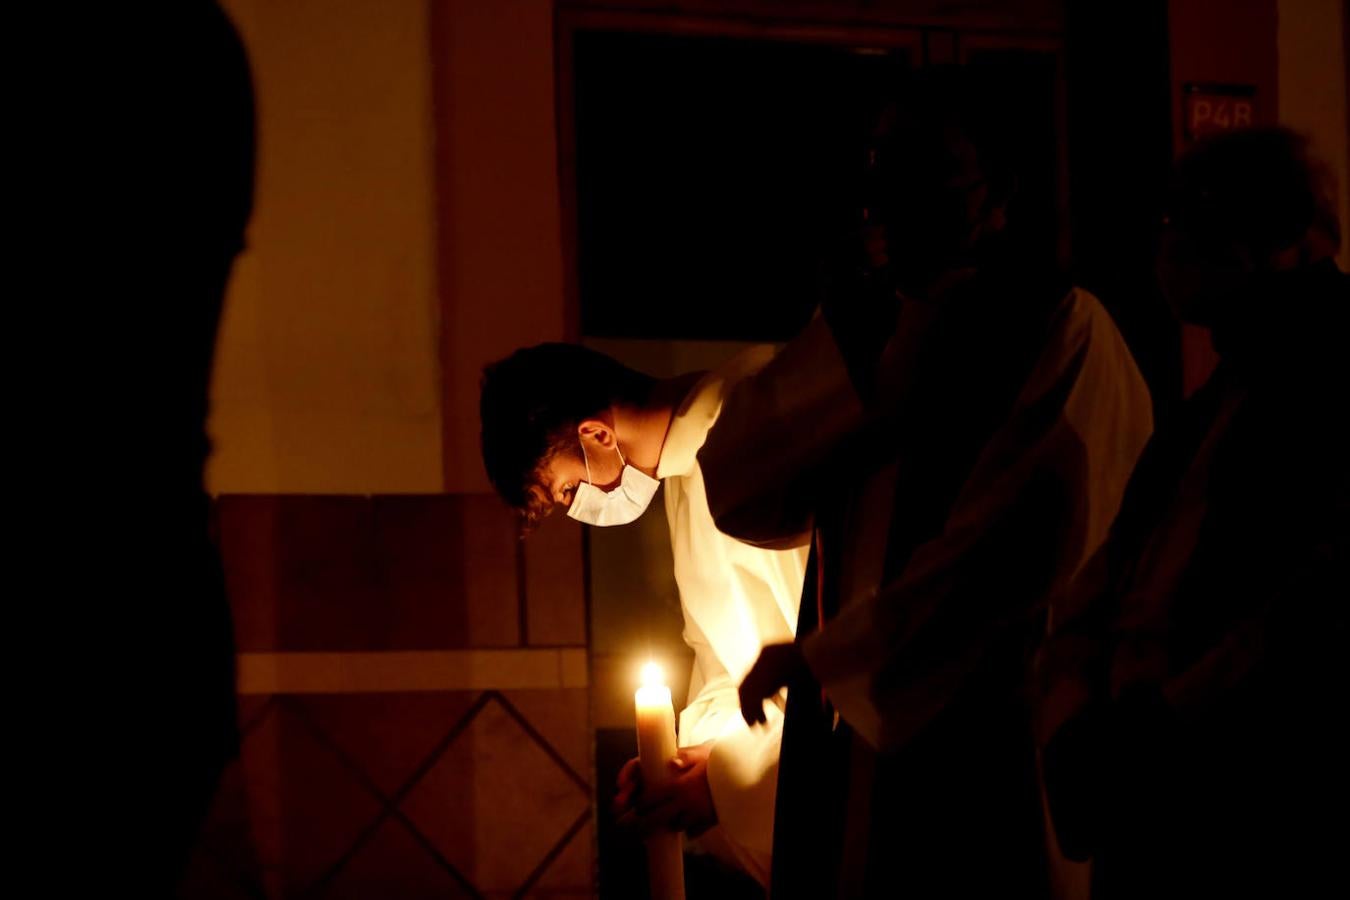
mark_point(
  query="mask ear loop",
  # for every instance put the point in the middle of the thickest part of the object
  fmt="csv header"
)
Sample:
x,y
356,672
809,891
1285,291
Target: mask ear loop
x,y
622,462
589,479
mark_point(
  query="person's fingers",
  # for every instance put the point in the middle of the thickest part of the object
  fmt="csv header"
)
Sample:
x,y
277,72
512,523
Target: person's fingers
x,y
752,704
649,819
754,688
629,774
623,801
662,817
747,706
655,797
629,783
627,821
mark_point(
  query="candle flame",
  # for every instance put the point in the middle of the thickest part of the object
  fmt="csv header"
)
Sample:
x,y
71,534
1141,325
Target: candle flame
x,y
652,675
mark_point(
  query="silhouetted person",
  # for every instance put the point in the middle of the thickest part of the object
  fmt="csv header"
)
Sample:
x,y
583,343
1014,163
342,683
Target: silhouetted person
x,y
1195,704
952,436
162,190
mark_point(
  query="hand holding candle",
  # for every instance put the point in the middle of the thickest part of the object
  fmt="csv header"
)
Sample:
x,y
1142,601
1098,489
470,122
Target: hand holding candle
x,y
656,747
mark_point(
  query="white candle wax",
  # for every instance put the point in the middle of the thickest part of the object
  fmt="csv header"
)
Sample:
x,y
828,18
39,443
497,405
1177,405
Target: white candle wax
x,y
656,747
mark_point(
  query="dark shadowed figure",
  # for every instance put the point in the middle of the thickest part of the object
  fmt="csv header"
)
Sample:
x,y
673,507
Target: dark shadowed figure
x,y
160,185
1194,701
951,436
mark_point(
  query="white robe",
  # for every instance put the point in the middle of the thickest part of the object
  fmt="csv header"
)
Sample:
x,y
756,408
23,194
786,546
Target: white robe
x,y
736,598
1077,462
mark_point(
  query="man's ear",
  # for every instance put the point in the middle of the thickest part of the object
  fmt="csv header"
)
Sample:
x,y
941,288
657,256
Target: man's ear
x,y
596,433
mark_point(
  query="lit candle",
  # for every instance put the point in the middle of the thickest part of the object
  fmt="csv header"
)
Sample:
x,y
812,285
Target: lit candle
x,y
656,748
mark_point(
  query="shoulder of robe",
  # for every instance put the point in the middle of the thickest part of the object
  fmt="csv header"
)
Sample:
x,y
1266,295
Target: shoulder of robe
x,y
1082,326
746,363
712,387
1082,316
701,408
1084,355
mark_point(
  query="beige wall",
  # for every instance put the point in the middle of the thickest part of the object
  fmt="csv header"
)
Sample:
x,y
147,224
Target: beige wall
x,y
327,376
406,233
1313,87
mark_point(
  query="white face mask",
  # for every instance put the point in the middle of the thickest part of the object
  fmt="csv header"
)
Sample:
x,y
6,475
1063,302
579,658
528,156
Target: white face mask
x,y
617,507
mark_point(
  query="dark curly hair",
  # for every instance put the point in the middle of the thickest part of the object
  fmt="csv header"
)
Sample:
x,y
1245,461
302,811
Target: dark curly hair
x,y
531,404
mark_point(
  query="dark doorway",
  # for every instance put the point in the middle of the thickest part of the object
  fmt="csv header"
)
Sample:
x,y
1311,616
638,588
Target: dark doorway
x,y
711,172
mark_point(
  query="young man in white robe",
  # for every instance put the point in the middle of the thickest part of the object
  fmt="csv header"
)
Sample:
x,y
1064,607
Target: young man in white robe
x,y
568,428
